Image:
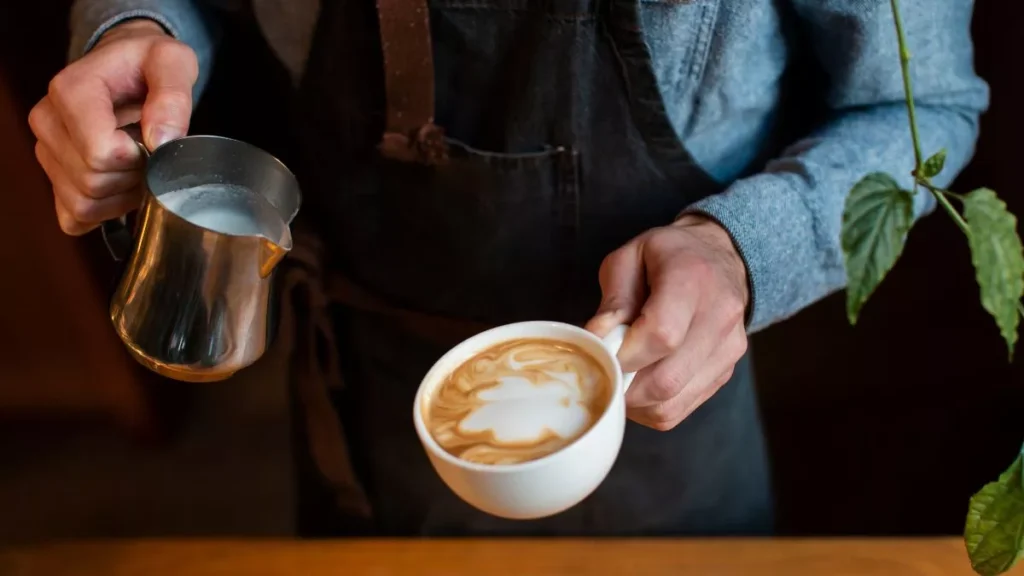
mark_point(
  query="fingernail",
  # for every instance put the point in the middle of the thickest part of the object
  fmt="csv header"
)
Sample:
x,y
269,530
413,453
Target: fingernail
x,y
161,135
602,322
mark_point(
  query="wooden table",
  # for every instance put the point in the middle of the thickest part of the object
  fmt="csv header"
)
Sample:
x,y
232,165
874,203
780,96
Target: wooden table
x,y
646,557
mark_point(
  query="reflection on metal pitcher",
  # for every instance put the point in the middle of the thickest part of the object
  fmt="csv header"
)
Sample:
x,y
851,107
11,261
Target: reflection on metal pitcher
x,y
194,302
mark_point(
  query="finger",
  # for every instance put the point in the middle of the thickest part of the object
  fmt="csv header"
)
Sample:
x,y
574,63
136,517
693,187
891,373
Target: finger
x,y
50,131
48,127
667,416
76,212
170,70
664,320
623,289
66,221
85,104
671,389
665,376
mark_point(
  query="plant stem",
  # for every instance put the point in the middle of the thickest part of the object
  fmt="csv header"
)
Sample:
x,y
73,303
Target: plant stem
x,y
907,87
908,91
940,197
944,202
949,193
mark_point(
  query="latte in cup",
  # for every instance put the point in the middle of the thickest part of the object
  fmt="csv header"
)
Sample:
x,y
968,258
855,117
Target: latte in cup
x,y
517,401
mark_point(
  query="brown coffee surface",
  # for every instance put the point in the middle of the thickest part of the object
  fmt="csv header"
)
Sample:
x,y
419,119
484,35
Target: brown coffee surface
x,y
517,401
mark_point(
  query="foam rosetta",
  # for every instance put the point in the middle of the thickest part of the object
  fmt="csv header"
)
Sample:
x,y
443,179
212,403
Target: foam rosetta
x,y
517,401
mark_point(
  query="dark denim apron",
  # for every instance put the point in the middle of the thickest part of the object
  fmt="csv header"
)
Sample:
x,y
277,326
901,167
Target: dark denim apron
x,y
560,151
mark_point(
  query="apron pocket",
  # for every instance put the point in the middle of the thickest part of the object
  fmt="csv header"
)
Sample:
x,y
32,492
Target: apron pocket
x,y
487,236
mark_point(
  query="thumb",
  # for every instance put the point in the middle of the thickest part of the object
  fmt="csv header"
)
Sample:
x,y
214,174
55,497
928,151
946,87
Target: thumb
x,y
170,70
623,288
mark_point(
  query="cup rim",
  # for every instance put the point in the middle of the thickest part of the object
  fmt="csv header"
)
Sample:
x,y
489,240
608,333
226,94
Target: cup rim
x,y
431,444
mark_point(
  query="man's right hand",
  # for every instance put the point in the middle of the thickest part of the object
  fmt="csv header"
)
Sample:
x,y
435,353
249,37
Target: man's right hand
x,y
136,71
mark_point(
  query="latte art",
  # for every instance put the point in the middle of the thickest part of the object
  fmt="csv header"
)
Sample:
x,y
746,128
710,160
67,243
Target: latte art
x,y
517,401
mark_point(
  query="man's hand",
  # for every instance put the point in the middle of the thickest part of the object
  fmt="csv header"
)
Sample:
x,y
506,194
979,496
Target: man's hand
x,y
684,289
93,165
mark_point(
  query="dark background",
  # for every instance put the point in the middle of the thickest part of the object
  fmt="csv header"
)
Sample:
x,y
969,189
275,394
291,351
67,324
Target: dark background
x,y
886,428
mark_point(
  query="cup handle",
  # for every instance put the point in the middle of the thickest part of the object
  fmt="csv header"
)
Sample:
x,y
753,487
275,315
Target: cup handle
x,y
116,234
613,341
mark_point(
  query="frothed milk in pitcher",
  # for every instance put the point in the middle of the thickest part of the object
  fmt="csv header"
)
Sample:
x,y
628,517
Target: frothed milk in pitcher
x,y
225,208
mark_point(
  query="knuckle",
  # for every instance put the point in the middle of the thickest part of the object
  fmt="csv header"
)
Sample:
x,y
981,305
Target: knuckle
x,y
73,228
60,84
67,225
734,311
172,51
45,161
701,270
611,261
81,208
662,418
666,334
659,412
743,346
726,376
738,346
665,385
95,155
35,119
64,85
38,150
92,184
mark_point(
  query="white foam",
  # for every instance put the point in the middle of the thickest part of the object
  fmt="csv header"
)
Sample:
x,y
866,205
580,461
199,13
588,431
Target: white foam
x,y
223,208
518,410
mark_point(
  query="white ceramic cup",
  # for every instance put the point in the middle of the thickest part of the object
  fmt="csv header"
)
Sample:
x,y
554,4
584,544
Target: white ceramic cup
x,y
551,484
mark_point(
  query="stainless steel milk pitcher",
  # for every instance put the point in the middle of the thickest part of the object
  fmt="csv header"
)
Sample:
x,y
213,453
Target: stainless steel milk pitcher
x,y
194,301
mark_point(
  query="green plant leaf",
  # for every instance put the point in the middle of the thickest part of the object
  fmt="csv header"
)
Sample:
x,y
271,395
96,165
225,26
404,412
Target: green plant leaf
x,y
876,221
998,259
994,533
934,165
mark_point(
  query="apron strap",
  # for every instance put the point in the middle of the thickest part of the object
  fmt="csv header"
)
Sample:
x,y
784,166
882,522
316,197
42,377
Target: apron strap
x,y
410,134
306,328
307,291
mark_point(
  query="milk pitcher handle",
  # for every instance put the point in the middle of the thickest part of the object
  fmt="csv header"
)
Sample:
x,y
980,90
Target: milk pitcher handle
x,y
117,235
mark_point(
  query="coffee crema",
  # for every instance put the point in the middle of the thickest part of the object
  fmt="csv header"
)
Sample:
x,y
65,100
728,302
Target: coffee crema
x,y
517,401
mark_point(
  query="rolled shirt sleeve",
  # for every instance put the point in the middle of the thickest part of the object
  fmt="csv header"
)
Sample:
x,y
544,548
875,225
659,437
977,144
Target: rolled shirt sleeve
x,y
786,221
185,20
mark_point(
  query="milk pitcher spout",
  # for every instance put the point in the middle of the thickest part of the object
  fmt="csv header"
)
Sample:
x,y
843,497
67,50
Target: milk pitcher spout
x,y
271,255
194,302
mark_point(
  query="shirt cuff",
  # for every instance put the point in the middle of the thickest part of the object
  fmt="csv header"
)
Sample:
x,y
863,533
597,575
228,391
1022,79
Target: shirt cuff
x,y
106,25
180,18
775,242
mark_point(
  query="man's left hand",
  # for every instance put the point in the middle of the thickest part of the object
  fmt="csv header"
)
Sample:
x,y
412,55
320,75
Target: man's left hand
x,y
683,289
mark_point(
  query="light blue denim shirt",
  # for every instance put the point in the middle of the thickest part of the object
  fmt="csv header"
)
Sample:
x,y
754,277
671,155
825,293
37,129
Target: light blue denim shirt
x,y
720,64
